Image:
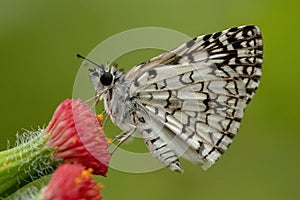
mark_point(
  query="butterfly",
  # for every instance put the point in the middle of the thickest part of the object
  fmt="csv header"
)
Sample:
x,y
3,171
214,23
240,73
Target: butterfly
x,y
187,102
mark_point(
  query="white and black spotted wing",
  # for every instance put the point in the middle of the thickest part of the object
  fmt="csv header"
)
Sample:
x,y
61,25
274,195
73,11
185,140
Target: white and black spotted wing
x,y
189,101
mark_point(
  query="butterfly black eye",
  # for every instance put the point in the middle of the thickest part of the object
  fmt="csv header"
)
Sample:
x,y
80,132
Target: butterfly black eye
x,y
106,78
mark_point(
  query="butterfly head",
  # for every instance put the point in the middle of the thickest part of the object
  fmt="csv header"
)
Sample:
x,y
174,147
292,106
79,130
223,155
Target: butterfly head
x,y
103,77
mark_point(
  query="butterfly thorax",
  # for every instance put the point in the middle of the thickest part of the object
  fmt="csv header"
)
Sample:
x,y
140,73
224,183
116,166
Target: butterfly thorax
x,y
111,86
118,106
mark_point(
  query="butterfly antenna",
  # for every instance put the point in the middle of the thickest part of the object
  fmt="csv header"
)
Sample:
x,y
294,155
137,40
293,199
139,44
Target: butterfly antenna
x,y
84,58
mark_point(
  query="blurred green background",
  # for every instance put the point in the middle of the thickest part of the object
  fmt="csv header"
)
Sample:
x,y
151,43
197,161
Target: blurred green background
x,y
38,44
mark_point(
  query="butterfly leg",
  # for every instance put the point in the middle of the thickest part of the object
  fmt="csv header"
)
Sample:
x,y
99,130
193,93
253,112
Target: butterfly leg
x,y
106,119
122,137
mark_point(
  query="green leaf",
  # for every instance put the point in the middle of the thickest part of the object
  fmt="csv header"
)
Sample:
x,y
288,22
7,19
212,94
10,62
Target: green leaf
x,y
31,190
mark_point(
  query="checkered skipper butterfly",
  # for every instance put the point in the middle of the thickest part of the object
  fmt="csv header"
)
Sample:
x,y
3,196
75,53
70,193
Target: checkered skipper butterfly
x,y
188,101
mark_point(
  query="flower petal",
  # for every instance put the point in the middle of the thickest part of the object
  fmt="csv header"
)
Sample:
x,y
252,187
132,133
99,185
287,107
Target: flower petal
x,y
78,136
72,182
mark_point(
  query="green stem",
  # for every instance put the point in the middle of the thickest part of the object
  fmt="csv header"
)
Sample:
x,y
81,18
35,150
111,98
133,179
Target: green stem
x,y
25,163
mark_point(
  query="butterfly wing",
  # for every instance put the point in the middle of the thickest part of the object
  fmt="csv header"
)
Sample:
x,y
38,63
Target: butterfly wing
x,y
194,96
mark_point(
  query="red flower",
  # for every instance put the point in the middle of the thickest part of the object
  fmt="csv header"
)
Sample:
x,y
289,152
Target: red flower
x,y
71,182
78,137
